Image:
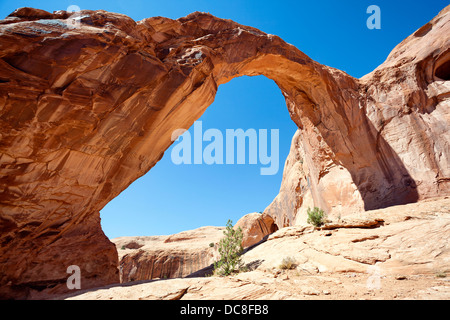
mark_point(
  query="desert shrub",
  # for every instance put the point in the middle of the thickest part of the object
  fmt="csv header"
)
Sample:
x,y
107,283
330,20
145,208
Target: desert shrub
x,y
288,263
230,250
316,217
441,274
211,245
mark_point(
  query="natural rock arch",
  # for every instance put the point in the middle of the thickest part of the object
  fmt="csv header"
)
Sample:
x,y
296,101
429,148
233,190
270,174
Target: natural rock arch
x,y
85,111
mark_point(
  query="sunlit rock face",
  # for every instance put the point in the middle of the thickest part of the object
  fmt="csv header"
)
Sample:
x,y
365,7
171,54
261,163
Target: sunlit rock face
x,y
89,101
180,255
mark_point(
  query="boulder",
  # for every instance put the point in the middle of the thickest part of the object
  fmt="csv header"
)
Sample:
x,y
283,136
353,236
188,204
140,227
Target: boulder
x,y
255,228
164,257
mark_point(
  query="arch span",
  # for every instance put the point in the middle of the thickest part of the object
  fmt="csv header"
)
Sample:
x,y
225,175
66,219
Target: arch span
x,y
85,111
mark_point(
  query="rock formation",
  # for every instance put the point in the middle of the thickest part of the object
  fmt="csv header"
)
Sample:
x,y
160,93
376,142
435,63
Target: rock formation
x,y
163,257
404,257
89,101
405,124
188,253
399,240
255,228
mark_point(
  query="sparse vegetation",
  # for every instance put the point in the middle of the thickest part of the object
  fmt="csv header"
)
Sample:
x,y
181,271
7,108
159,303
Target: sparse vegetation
x,y
316,217
288,263
441,274
230,250
211,245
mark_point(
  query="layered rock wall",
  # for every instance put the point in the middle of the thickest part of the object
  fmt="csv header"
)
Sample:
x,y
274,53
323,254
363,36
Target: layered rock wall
x,y
164,257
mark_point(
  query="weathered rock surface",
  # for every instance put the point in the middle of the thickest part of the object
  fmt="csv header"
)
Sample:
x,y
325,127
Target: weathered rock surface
x,y
89,101
183,254
405,239
163,257
267,286
406,257
255,228
405,102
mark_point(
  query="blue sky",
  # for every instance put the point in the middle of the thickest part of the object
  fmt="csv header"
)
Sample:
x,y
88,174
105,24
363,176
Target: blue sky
x,y
173,198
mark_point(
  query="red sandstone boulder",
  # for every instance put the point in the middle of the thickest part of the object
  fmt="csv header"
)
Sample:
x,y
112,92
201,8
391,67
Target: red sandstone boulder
x,y
255,227
164,257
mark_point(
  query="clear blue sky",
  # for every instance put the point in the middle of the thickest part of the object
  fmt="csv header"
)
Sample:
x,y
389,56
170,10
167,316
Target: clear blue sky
x,y
173,198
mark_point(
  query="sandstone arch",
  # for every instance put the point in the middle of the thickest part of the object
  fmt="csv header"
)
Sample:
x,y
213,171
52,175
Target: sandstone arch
x,y
86,111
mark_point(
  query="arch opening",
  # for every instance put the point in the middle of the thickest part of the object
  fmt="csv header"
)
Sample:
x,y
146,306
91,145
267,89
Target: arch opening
x,y
171,197
184,200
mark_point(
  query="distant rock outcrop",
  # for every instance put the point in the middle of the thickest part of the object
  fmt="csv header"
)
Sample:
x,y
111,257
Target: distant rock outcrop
x,y
89,101
165,257
184,254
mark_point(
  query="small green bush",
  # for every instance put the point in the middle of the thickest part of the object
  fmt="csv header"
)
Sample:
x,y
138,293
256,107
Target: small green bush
x,y
316,217
211,245
230,250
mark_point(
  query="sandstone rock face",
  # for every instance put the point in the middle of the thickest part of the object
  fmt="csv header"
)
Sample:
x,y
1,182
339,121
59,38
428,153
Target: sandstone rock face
x,y
354,258
255,228
88,104
404,136
405,239
269,286
163,257
184,254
